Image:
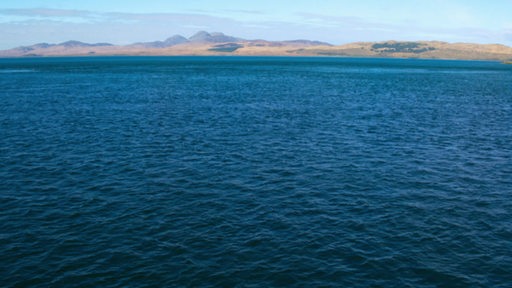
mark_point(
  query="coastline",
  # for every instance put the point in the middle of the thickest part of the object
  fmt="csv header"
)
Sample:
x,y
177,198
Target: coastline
x,y
219,56
231,46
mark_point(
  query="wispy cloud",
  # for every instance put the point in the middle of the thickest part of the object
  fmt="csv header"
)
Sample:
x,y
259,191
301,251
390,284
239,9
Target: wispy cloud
x,y
257,12
164,17
44,12
344,22
61,15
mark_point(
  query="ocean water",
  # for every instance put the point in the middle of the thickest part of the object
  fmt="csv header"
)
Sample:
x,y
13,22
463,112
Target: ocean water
x,y
255,172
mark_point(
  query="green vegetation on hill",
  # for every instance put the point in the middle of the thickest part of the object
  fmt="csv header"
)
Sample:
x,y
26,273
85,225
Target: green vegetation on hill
x,y
401,47
228,47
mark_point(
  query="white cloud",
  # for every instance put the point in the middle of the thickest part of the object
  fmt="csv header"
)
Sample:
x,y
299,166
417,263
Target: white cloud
x,y
43,12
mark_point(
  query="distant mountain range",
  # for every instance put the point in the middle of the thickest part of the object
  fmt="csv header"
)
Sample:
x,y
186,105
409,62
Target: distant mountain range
x,y
204,43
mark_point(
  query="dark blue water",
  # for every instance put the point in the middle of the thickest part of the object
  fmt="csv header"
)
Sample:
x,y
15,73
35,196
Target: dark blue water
x,y
255,172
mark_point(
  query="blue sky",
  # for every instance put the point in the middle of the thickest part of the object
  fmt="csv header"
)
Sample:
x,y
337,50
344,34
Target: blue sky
x,y
24,22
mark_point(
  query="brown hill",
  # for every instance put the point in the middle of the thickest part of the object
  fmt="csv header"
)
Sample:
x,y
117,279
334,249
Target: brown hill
x,y
204,43
420,49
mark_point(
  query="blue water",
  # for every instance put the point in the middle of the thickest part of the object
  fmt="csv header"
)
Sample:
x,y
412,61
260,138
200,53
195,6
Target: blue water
x,y
255,172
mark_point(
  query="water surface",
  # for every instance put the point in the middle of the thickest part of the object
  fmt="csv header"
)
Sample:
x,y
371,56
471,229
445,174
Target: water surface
x,y
255,172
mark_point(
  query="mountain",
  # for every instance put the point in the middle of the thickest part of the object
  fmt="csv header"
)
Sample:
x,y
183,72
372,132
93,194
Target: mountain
x,y
307,42
74,43
171,41
205,43
45,46
205,37
200,37
175,40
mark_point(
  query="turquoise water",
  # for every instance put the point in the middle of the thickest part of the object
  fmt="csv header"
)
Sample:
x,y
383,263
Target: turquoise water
x,y
255,172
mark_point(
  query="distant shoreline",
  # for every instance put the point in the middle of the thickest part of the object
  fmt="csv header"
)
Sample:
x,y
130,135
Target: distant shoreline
x,y
219,44
84,57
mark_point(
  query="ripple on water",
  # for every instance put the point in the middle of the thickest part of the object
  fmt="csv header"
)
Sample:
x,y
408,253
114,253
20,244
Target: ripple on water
x,y
277,172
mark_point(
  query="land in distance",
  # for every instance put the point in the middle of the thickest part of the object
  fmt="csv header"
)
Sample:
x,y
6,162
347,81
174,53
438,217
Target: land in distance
x,y
204,43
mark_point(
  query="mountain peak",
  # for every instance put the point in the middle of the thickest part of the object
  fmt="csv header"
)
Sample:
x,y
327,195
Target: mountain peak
x,y
174,40
216,37
201,36
72,43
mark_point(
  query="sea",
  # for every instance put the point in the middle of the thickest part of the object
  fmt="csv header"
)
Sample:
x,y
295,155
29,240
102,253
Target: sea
x,y
255,172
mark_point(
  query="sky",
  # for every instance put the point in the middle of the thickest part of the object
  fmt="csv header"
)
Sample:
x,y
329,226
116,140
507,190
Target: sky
x,y
25,22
